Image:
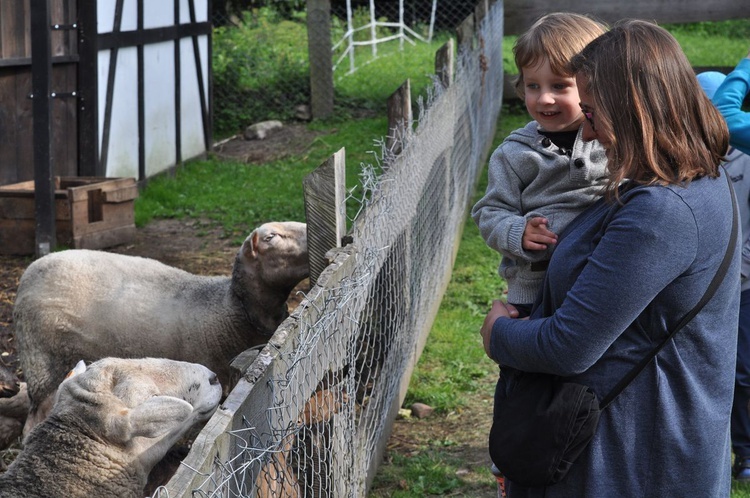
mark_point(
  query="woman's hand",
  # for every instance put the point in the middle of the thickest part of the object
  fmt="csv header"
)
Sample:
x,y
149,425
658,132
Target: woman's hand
x,y
499,309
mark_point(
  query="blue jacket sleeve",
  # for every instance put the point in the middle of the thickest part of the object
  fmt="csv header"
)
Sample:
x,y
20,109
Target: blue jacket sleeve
x,y
728,99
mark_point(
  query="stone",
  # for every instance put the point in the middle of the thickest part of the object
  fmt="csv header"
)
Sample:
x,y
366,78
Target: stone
x,y
420,410
262,129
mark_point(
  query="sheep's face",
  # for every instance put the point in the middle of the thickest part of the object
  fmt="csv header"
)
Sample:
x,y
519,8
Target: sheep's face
x,y
277,251
124,399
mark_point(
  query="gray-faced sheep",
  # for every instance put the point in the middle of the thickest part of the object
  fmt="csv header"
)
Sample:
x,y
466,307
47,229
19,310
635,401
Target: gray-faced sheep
x,y
81,304
110,425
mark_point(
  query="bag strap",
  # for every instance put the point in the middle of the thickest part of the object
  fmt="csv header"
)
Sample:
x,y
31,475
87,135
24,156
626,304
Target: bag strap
x,y
710,291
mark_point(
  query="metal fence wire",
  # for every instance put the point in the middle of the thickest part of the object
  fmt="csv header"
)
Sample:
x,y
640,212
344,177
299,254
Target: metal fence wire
x,y
313,412
261,67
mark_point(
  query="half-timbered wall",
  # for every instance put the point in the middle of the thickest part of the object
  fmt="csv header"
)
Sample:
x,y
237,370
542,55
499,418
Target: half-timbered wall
x,y
129,87
153,72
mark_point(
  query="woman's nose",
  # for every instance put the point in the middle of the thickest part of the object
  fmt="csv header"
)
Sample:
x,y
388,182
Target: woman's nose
x,y
588,133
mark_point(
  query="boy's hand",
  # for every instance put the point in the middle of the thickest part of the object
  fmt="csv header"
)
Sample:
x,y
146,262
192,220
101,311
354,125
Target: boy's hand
x,y
536,235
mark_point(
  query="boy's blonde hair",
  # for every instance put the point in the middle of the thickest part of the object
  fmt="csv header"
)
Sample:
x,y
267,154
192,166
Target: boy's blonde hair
x,y
556,37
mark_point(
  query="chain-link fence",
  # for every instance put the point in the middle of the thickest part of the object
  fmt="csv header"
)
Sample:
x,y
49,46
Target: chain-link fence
x,y
260,61
312,413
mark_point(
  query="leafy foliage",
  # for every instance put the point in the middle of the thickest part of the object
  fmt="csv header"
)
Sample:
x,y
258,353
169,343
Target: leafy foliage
x,y
261,70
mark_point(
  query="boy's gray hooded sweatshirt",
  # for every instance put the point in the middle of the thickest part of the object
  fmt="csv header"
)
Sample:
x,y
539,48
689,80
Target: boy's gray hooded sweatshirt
x,y
529,176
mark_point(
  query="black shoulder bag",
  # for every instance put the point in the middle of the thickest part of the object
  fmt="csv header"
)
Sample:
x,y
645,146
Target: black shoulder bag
x,y
545,422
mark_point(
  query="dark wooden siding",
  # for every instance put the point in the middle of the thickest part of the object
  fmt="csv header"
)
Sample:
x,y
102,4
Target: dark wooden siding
x,y
16,123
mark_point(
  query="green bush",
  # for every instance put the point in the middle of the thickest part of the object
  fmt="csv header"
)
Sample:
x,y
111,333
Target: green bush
x,y
261,70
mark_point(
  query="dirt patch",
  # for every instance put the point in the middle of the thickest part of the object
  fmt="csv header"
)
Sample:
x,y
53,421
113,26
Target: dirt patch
x,y
291,140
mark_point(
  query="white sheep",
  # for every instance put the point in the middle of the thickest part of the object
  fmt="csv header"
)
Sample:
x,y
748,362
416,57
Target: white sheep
x,y
109,426
81,304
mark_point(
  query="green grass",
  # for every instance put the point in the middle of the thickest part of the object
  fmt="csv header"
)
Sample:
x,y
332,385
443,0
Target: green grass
x,y
427,474
366,86
453,362
238,196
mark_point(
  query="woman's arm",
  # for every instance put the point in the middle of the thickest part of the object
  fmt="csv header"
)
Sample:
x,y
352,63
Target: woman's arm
x,y
647,244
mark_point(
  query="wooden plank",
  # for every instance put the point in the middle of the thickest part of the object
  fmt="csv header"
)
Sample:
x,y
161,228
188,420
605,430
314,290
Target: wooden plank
x,y
14,29
121,195
18,236
107,238
79,187
111,216
325,210
22,208
8,145
88,117
24,126
63,120
399,118
480,11
465,33
445,63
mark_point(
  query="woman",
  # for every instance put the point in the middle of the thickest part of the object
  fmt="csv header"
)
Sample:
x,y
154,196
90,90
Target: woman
x,y
628,269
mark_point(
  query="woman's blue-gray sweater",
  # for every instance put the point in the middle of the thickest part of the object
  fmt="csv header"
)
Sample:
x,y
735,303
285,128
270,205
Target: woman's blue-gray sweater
x,y
622,276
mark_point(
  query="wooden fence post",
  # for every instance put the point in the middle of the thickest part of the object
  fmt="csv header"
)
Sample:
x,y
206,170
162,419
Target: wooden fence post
x,y
445,63
321,60
465,32
325,209
399,117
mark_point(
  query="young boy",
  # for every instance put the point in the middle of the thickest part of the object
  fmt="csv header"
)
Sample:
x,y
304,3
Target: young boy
x,y
543,175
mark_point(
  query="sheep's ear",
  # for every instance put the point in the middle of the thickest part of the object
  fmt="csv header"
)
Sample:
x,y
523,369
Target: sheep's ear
x,y
77,370
158,415
251,244
152,418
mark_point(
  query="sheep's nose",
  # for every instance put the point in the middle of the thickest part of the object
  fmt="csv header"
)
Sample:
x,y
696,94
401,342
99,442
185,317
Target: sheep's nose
x,y
213,380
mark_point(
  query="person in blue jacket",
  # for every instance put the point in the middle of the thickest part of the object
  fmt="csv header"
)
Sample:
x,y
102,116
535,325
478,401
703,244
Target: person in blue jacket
x,y
628,269
728,98
738,167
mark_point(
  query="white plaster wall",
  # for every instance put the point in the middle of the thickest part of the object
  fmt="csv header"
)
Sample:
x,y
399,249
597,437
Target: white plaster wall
x,y
105,14
193,143
122,157
159,90
159,106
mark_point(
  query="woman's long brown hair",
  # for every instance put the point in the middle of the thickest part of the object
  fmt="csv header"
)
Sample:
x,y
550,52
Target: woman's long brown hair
x,y
660,125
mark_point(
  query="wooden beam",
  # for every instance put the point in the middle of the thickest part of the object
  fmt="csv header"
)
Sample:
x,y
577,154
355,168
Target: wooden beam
x,y
41,79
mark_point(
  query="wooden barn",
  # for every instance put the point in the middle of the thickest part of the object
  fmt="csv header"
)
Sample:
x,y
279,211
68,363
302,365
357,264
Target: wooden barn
x,y
116,89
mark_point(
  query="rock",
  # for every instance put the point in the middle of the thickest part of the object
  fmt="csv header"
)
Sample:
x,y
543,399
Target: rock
x,y
420,410
302,112
262,130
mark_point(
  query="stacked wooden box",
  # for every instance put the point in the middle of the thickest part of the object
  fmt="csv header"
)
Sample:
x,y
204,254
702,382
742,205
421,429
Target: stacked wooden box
x,y
90,213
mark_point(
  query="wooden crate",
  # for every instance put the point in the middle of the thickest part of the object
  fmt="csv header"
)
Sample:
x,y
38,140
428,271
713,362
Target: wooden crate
x,y
90,213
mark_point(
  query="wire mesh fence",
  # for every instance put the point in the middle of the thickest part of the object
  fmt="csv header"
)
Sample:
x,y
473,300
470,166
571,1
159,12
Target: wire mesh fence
x,y
261,66
312,413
